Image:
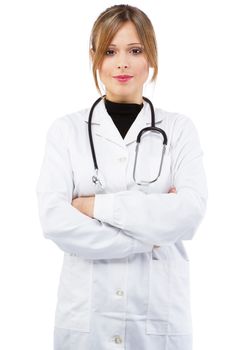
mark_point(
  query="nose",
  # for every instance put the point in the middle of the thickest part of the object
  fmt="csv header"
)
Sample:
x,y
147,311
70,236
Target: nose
x,y
122,66
122,60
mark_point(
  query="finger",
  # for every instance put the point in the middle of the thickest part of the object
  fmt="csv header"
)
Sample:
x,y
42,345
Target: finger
x,y
172,190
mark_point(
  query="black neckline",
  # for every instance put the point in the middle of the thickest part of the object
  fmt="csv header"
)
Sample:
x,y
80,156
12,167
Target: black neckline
x,y
122,108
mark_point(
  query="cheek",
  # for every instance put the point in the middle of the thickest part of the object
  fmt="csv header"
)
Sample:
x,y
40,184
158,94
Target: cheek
x,y
143,70
105,69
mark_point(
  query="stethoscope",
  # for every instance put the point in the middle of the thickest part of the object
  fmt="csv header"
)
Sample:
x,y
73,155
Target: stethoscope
x,y
98,179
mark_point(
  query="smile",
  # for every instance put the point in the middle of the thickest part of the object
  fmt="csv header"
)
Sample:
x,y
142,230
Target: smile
x,y
123,78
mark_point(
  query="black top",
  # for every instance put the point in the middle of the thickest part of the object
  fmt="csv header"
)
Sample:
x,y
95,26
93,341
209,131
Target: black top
x,y
123,114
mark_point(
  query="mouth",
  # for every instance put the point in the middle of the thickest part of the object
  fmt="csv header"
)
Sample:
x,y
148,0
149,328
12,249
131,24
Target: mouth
x,y
123,78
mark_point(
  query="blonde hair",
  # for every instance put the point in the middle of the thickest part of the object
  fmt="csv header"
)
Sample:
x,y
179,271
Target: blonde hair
x,y
106,26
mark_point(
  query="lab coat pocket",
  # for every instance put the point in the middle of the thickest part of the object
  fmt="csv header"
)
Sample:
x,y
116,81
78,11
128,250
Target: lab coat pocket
x,y
74,294
169,298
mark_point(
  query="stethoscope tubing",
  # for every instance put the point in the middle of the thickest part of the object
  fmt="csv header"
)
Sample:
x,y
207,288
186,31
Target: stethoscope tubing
x,y
90,132
95,178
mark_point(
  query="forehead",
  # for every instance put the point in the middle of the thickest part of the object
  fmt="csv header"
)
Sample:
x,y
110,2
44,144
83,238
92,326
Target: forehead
x,y
127,34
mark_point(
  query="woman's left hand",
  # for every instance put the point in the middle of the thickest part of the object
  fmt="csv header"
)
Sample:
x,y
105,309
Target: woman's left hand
x,y
84,204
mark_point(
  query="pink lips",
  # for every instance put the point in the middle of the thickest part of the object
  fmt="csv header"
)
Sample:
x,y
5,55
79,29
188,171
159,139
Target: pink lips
x,y
123,78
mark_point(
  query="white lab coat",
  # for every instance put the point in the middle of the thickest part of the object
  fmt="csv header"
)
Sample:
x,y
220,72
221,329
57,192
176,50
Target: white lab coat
x,y
116,290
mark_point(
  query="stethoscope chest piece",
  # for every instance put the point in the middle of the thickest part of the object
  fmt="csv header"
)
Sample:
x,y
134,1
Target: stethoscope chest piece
x,y
98,181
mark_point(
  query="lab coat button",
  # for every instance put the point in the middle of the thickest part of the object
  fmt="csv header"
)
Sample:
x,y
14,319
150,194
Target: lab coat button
x,y
119,292
117,339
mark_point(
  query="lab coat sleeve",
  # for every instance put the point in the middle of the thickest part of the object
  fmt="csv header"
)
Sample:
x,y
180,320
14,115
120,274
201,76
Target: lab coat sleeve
x,y
163,218
70,229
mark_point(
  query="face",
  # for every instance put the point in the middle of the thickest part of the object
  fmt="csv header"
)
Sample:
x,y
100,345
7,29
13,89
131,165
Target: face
x,y
124,57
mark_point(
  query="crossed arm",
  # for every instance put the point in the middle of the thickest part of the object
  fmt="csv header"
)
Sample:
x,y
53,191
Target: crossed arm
x,y
86,204
127,221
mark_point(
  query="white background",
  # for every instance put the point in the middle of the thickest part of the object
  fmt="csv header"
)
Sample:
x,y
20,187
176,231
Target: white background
x,y
45,74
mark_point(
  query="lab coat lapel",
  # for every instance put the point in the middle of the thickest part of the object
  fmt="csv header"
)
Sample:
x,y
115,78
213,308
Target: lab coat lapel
x,y
103,125
143,120
139,123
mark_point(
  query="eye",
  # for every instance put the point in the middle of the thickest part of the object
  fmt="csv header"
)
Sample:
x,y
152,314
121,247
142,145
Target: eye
x,y
137,50
109,52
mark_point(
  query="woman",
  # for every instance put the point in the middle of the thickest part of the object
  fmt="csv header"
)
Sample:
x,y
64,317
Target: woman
x,y
125,277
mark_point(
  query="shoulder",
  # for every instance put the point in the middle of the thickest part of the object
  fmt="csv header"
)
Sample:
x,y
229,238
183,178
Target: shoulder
x,y
172,118
66,124
174,121
178,126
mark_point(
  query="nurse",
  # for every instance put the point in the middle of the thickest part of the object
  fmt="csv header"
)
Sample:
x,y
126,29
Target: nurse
x,y
124,283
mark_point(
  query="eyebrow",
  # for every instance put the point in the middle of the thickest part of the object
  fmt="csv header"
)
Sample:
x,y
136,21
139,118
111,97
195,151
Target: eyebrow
x,y
128,44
